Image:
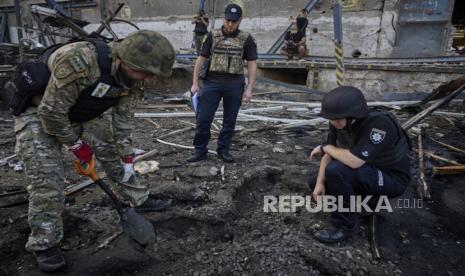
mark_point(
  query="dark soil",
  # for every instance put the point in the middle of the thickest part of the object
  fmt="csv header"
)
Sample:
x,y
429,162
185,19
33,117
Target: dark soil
x,y
218,226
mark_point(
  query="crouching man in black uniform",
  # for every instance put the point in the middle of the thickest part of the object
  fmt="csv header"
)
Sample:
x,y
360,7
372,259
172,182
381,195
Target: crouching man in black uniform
x,y
366,153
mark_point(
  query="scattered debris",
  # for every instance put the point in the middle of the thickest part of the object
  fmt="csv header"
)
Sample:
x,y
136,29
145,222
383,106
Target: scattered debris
x,y
108,240
423,188
448,170
145,167
444,89
5,160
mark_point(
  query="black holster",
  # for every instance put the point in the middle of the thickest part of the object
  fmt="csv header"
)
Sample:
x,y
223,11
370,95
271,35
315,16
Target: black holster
x,y
16,100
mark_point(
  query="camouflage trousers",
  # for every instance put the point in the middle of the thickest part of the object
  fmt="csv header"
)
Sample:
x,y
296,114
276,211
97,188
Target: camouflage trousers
x,y
43,158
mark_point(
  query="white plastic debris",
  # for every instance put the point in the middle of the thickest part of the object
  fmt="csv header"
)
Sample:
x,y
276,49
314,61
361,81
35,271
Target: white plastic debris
x,y
19,166
145,167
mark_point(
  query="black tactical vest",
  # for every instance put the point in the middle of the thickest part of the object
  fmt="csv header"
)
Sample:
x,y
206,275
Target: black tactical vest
x,y
88,107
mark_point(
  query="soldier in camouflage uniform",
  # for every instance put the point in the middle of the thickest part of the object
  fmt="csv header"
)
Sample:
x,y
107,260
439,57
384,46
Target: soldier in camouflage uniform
x,y
227,48
69,113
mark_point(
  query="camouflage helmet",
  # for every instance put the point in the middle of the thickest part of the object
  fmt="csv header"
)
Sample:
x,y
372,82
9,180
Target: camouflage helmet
x,y
147,51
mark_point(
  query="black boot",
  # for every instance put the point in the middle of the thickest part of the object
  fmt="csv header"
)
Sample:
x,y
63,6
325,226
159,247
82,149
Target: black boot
x,y
333,234
197,156
50,259
154,205
225,156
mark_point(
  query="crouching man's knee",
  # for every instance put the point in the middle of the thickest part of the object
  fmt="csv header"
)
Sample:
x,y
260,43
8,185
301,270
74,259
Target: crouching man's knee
x,y
335,168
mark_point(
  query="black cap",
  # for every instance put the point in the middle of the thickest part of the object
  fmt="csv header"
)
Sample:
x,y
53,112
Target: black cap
x,y
233,12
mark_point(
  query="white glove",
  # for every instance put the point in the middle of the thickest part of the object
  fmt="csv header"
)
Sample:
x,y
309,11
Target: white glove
x,y
128,166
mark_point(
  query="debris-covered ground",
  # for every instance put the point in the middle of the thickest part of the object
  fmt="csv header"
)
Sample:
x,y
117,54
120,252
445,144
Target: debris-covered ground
x,y
218,226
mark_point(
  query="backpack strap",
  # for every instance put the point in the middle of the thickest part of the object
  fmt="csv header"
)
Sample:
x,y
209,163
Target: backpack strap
x,y
103,53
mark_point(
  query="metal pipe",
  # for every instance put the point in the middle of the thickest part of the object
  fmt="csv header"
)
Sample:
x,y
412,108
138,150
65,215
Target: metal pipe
x,y
339,50
19,29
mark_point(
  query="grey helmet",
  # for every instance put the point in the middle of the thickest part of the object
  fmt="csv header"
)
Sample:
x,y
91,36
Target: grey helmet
x,y
344,102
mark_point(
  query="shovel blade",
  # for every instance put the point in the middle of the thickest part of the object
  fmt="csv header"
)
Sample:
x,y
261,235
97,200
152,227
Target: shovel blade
x,y
137,227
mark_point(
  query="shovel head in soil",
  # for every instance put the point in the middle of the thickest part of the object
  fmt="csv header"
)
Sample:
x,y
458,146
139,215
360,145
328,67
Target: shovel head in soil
x,y
136,226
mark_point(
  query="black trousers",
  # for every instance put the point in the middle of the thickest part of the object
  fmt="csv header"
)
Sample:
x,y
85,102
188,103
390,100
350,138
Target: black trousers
x,y
209,99
341,180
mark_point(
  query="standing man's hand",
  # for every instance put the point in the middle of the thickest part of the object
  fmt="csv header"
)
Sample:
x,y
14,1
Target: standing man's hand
x,y
195,75
247,96
195,88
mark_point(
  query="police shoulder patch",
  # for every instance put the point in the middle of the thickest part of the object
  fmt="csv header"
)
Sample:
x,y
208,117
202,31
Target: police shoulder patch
x,y
377,135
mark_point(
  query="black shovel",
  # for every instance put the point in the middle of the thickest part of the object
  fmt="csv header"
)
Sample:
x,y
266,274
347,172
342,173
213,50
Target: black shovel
x,y
135,225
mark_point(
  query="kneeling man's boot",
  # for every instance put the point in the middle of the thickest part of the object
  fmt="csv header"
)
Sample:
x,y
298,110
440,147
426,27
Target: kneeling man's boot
x,y
154,205
50,259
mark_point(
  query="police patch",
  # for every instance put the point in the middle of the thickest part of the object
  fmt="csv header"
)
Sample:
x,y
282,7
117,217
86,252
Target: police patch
x,y
377,136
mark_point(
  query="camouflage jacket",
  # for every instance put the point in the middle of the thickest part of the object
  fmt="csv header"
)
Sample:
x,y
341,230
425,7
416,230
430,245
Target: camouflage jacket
x,y
74,67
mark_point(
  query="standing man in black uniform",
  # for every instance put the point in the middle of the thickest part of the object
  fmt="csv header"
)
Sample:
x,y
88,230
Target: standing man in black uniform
x,y
227,48
200,30
366,153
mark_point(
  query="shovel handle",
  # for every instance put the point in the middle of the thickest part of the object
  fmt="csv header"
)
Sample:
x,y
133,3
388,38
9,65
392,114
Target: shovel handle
x,y
87,169
104,186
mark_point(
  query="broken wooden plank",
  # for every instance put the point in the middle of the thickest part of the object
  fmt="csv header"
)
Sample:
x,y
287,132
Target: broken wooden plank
x,y
423,188
373,236
269,119
448,146
152,122
263,109
108,240
241,116
420,116
155,106
311,122
444,90
432,155
71,189
446,170
166,115
175,132
318,104
5,160
21,196
451,114
181,146
187,122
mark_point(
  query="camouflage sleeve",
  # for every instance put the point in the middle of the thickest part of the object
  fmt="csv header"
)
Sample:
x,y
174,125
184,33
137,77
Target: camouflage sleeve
x,y
123,120
71,72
